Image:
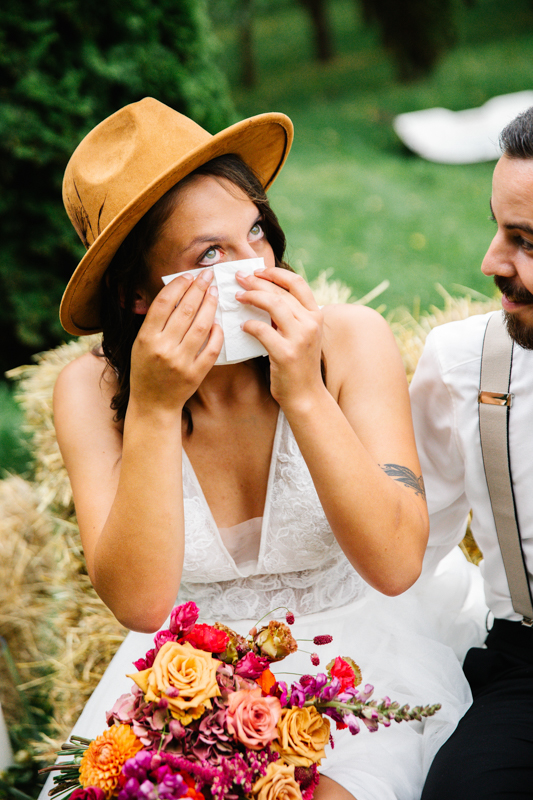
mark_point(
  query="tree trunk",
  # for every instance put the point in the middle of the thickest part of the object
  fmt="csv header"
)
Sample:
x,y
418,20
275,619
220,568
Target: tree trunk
x,y
248,66
323,40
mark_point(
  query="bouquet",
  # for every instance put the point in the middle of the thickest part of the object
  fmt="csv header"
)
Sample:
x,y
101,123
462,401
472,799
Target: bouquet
x,y
206,719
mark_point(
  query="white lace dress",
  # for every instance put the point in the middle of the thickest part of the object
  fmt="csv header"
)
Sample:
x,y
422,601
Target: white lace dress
x,y
290,557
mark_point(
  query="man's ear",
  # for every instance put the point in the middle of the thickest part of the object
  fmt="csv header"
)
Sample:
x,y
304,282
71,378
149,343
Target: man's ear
x,y
140,301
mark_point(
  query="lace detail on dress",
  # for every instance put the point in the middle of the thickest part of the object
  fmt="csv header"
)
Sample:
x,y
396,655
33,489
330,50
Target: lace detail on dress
x,y
300,563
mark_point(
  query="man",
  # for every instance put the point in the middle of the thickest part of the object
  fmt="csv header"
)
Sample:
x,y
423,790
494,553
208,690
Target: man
x,y
490,755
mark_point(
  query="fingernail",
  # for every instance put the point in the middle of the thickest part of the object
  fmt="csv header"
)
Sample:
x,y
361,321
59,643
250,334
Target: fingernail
x,y
259,269
207,275
240,274
187,276
239,294
213,290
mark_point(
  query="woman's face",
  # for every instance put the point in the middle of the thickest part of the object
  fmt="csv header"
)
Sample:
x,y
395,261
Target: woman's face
x,y
212,221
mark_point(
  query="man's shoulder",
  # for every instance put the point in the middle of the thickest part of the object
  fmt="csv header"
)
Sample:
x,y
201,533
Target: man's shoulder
x,y
459,343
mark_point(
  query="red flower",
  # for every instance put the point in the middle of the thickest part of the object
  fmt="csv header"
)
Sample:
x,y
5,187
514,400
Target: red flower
x,y
205,637
344,672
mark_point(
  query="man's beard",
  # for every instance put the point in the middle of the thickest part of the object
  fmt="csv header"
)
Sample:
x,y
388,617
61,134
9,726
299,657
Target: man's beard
x,y
516,328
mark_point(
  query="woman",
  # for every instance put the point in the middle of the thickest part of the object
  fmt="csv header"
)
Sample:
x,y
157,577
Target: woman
x,y
290,481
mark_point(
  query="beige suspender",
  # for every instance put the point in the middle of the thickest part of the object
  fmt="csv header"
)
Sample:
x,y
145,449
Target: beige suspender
x,y
494,404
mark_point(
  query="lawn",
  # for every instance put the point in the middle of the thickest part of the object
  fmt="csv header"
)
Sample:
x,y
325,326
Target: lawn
x,y
351,197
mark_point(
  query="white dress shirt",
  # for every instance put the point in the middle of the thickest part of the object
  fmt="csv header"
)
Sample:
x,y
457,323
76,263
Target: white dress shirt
x,y
445,411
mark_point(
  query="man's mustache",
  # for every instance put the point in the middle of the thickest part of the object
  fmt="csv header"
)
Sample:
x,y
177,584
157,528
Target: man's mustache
x,y
516,294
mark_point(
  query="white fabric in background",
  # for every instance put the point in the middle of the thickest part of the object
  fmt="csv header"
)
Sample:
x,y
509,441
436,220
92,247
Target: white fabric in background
x,y
461,137
230,314
6,754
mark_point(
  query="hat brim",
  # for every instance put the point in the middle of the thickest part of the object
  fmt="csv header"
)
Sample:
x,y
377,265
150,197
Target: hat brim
x,y
263,142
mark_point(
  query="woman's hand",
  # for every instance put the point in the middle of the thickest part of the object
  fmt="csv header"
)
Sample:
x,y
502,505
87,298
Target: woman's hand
x,y
294,341
177,344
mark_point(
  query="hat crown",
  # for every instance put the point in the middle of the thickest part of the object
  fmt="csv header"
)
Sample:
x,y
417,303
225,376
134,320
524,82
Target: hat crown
x,y
120,158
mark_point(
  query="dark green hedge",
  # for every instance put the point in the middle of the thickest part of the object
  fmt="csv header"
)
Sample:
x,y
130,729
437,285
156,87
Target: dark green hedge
x,y
64,66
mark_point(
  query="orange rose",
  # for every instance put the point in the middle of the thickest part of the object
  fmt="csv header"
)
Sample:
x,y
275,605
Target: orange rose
x,y
277,784
184,676
303,733
103,760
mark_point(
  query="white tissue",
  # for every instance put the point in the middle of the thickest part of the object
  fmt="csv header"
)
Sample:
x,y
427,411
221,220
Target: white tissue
x,y
230,314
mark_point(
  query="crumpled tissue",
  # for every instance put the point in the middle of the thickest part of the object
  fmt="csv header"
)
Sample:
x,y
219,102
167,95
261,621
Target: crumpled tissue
x,y
230,314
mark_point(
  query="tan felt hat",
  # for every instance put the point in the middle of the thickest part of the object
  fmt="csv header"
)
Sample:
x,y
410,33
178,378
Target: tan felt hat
x,y
125,164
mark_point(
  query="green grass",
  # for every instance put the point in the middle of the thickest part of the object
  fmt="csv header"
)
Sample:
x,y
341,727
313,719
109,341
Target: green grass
x,y
14,451
351,197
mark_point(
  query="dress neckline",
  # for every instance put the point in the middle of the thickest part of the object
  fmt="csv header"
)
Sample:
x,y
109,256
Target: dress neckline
x,y
266,509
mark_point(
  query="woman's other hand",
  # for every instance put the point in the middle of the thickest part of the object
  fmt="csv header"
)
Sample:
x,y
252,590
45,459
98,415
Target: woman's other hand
x,y
294,340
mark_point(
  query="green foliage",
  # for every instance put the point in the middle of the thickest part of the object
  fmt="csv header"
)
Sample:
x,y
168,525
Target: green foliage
x,y
14,446
64,66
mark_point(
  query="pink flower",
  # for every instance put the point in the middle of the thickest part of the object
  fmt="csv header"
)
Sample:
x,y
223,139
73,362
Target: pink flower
x,y
289,617
251,666
89,793
163,636
182,618
124,710
315,659
205,637
146,662
252,718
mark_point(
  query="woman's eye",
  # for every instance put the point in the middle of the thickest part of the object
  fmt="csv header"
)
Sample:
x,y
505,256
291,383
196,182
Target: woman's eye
x,y
256,231
211,256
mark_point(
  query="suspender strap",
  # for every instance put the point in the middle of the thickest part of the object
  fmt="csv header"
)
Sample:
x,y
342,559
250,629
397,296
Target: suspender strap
x,y
494,404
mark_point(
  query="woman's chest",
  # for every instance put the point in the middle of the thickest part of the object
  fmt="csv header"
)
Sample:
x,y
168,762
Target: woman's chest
x,y
295,534
232,466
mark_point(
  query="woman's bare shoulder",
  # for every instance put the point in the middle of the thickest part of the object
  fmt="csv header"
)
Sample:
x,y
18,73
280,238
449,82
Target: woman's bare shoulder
x,y
354,329
85,376
84,389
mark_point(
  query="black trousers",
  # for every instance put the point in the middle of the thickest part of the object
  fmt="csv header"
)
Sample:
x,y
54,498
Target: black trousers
x,y
490,754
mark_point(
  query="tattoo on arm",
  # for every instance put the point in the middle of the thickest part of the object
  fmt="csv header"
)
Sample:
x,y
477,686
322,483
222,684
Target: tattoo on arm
x,y
406,476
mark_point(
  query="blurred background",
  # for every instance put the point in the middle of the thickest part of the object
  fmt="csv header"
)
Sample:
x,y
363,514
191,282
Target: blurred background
x,y
353,200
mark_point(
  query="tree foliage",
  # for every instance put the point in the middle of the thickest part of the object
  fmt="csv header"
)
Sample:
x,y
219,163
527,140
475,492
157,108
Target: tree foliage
x,y
64,66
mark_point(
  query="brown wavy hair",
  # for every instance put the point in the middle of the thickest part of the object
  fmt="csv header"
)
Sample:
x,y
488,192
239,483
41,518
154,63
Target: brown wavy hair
x,y
130,270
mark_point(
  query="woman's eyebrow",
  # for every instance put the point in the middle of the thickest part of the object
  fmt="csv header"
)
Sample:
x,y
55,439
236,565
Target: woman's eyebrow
x,y
207,239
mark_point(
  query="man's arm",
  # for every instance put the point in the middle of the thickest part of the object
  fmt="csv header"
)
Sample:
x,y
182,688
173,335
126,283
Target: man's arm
x,y
440,454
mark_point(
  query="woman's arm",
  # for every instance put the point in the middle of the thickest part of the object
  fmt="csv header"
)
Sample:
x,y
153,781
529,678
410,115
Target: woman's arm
x,y
127,486
356,435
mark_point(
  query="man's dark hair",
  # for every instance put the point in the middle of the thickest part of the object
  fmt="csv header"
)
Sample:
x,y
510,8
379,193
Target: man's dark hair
x,y
516,139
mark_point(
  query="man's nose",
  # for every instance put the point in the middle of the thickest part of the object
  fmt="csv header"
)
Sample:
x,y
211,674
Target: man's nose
x,y
499,258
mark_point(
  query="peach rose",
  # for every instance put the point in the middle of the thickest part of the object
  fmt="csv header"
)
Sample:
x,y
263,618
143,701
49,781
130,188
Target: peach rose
x,y
184,676
277,784
252,718
303,733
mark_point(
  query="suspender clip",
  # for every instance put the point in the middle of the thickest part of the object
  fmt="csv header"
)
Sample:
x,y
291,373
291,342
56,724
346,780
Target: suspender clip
x,y
527,622
495,398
